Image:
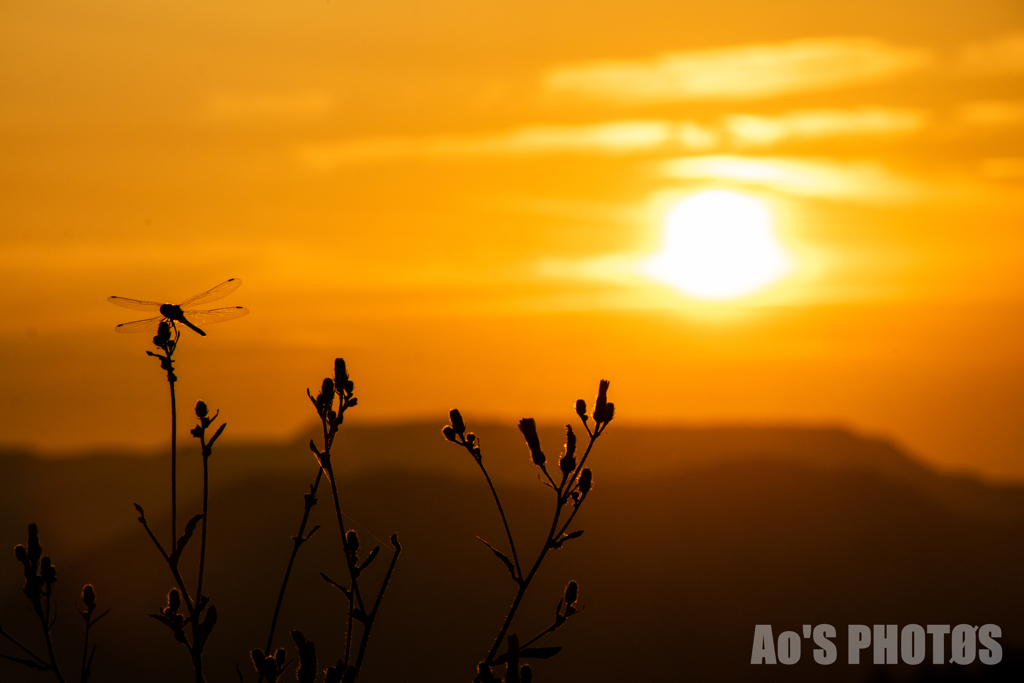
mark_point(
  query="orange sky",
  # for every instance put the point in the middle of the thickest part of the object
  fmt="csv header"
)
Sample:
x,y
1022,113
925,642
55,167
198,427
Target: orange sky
x,y
457,197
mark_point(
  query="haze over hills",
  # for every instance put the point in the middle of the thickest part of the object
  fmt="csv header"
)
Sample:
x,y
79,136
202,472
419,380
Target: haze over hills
x,y
693,536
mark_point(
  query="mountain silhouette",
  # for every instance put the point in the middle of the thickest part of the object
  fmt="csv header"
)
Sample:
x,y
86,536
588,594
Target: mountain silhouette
x,y
692,537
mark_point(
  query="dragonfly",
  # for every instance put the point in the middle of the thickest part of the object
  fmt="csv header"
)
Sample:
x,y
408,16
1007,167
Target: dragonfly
x,y
177,313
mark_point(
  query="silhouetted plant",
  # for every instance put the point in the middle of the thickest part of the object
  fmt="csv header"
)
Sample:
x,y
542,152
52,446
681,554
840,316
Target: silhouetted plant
x,y
270,668
166,340
189,615
40,576
358,610
195,605
573,486
201,625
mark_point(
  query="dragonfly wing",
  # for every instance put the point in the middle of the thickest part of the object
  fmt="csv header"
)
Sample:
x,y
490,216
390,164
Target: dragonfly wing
x,y
218,292
149,325
135,303
215,315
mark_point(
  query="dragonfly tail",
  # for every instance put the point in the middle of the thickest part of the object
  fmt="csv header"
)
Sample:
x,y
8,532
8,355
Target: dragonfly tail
x,y
193,327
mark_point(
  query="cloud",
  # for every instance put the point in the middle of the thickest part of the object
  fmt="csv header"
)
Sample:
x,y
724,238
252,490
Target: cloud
x,y
746,130
859,181
610,138
227,106
615,138
991,113
1004,55
745,72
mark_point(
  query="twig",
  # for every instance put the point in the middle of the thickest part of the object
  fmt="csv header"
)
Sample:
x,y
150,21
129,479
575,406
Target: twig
x,y
574,486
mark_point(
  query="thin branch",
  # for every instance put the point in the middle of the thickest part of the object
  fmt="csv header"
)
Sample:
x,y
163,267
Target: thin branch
x,y
298,540
380,596
21,647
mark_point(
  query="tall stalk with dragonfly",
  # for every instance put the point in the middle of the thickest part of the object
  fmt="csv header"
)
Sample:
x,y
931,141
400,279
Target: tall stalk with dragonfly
x,y
199,615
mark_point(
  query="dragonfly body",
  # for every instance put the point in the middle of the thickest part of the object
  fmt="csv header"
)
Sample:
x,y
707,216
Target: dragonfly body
x,y
176,313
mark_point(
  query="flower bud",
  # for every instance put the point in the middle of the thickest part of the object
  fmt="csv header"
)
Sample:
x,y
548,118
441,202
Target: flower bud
x,y
572,591
353,541
280,656
20,554
525,674
201,410
307,669
529,429
163,334
567,464
570,441
48,571
34,549
174,600
581,408
89,596
340,372
457,424
448,432
264,665
601,403
586,481
327,390
609,412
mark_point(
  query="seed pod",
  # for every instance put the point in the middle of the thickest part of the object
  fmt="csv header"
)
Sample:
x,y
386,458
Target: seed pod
x,y
201,410
448,432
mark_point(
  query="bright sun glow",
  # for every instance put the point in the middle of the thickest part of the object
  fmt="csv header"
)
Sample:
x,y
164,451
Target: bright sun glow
x,y
719,245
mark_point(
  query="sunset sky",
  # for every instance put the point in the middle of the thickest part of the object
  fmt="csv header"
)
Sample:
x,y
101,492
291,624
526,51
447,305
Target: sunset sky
x,y
469,202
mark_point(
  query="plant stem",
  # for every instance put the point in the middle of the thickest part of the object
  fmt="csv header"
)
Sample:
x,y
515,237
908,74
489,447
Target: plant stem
x,y
297,541
206,510
504,521
174,464
562,497
344,536
44,619
380,596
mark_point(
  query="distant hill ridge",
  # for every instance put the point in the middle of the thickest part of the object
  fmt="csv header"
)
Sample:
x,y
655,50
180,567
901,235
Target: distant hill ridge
x,y
693,536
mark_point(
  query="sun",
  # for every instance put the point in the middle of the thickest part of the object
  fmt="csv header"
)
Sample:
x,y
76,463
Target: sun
x,y
719,244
